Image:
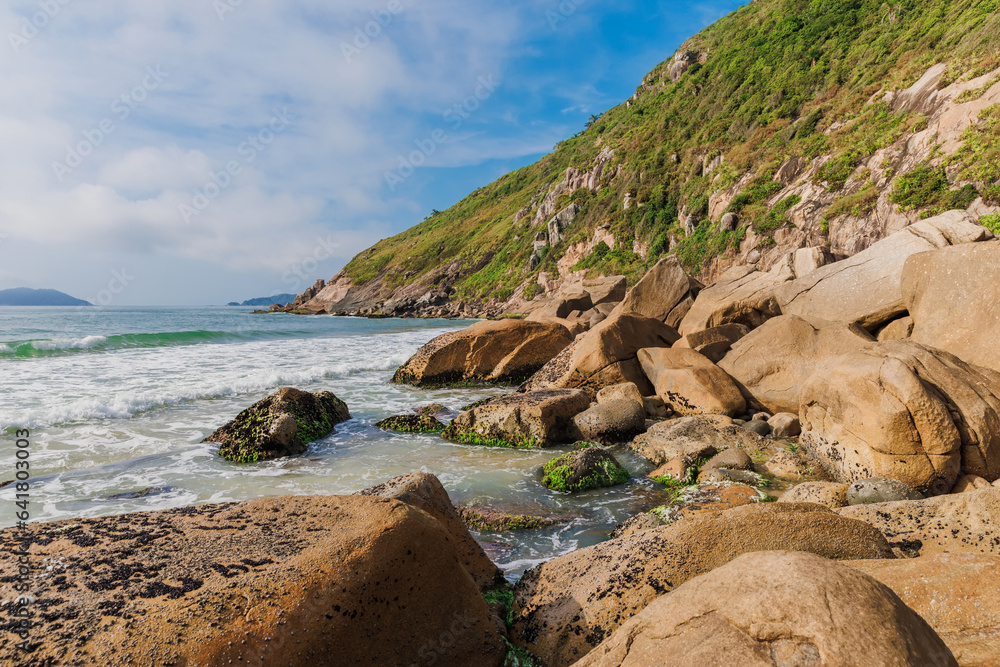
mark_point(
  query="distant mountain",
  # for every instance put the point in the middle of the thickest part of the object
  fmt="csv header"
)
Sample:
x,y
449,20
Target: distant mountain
x,y
266,300
23,296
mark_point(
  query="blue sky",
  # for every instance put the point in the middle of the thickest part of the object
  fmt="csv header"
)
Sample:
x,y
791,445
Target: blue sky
x,y
203,151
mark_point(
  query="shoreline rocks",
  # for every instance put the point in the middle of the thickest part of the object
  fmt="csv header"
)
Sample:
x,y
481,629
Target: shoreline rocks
x,y
584,469
535,419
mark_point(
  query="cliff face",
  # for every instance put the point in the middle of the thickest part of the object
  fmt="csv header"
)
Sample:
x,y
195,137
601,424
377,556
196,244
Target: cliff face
x,y
787,125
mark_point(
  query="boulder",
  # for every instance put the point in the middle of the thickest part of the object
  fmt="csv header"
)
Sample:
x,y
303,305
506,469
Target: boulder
x,y
956,286
830,494
689,438
411,424
962,522
588,468
283,424
741,295
627,390
880,490
611,422
490,519
732,459
565,607
534,419
689,383
904,411
954,592
714,343
866,288
729,476
785,425
425,491
775,360
968,483
608,289
605,356
758,426
665,293
287,580
503,351
775,608
897,329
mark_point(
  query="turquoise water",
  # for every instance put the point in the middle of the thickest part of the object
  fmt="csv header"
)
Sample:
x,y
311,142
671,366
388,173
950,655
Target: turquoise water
x,y
118,401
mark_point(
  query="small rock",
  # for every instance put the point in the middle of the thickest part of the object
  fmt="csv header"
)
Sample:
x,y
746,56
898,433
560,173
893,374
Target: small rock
x,y
585,469
432,410
730,459
787,464
761,416
677,469
488,519
717,475
627,390
880,490
617,420
656,408
784,425
969,483
831,494
760,427
411,424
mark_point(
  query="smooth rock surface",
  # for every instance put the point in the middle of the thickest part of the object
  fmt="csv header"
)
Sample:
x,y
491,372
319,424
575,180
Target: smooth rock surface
x,y
880,490
689,383
612,422
665,293
534,419
830,494
741,295
785,425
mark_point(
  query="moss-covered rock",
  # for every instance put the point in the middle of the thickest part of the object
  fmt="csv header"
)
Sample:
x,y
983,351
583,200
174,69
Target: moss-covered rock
x,y
485,518
282,424
584,469
432,410
411,424
533,419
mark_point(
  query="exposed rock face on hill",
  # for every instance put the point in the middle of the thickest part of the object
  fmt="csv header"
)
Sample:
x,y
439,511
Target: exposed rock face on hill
x,y
298,581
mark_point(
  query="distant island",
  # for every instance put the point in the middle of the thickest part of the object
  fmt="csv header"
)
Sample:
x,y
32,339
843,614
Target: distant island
x,y
266,300
24,296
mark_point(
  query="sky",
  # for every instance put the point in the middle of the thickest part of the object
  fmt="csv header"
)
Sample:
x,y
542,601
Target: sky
x,y
196,152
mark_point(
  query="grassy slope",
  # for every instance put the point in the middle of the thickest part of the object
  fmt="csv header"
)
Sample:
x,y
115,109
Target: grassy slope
x,y
779,73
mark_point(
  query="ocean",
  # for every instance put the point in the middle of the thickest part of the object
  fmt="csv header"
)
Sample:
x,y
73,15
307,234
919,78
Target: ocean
x,y
118,401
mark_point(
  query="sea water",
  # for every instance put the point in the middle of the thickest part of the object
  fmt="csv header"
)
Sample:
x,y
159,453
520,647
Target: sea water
x,y
118,401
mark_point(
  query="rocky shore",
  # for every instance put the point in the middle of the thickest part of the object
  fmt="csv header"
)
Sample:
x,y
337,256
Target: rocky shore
x,y
824,445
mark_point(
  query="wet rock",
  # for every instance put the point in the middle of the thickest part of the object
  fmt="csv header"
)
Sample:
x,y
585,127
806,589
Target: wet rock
x,y
689,383
726,475
534,419
584,469
880,490
283,424
142,493
732,459
567,606
411,424
615,421
432,410
688,438
758,426
775,608
830,494
489,519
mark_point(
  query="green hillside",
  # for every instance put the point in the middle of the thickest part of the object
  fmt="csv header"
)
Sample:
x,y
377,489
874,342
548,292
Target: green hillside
x,y
778,74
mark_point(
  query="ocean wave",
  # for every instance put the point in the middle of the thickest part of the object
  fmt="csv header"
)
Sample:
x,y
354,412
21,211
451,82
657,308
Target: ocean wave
x,y
70,343
48,347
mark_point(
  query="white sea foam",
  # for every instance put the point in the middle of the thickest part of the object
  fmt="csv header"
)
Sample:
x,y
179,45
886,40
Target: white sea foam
x,y
6,349
70,343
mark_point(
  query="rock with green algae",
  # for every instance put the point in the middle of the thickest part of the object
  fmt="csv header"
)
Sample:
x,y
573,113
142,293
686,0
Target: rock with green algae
x,y
486,518
411,424
282,424
584,469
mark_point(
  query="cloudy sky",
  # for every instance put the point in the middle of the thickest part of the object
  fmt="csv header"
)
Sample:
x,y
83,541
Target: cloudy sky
x,y
203,151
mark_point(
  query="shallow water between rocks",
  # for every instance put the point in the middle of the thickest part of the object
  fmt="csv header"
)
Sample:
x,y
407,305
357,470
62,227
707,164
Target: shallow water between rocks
x,y
118,400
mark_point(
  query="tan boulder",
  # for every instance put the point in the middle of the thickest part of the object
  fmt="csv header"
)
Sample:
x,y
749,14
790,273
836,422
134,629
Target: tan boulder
x,y
626,390
567,606
775,609
785,425
611,422
688,438
952,296
505,351
830,494
714,343
533,419
665,293
424,491
955,593
775,360
605,290
897,329
741,295
689,383
866,288
297,580
605,356
963,522
903,411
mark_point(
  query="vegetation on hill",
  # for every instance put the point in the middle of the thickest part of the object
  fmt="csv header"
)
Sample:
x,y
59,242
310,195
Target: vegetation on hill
x,y
780,78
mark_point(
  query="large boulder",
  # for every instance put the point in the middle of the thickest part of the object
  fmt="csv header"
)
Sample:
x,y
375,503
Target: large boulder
x,y
297,580
693,438
774,609
690,384
866,288
964,522
665,293
565,607
605,355
535,419
955,593
502,351
775,360
952,296
605,289
905,411
424,491
283,424
741,295
714,343
611,422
